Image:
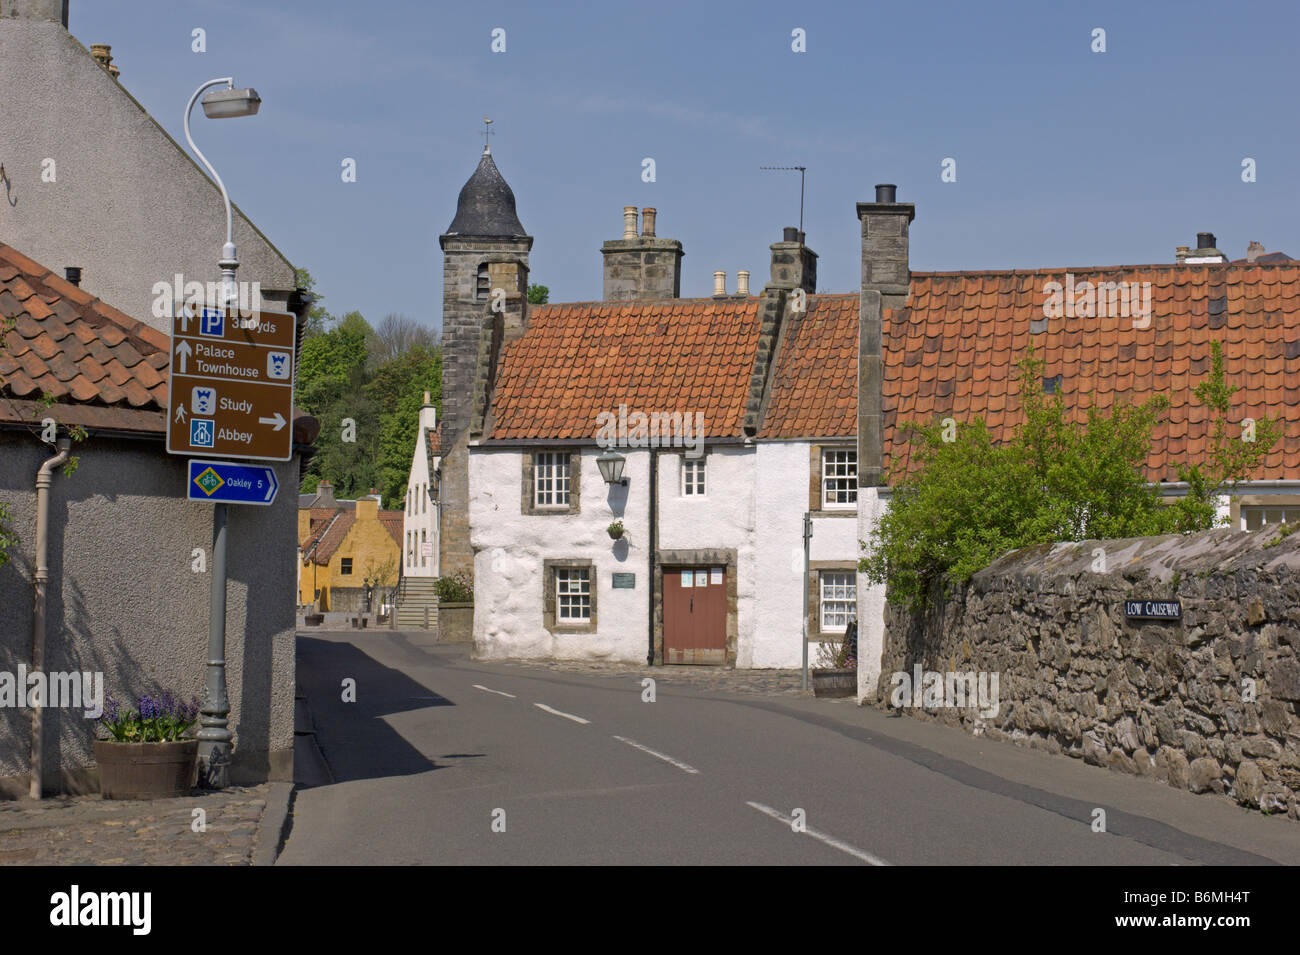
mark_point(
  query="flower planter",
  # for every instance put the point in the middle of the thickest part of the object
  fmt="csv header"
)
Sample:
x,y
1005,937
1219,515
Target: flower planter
x,y
835,682
615,534
146,770
314,619
455,622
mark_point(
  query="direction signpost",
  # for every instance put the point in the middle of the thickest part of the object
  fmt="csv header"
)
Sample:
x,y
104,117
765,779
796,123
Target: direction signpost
x,y
229,394
231,390
224,483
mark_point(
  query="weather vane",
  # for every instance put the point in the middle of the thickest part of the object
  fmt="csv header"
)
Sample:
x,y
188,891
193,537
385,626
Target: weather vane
x,y
487,131
801,172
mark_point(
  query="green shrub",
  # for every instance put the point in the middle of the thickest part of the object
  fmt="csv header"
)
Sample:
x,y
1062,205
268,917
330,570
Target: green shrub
x,y
454,589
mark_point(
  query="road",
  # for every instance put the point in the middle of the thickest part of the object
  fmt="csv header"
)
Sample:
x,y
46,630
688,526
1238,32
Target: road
x,y
445,760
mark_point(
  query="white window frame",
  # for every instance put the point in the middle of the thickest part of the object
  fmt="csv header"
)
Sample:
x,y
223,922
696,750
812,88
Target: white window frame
x,y
839,465
1280,514
572,592
699,487
838,595
552,478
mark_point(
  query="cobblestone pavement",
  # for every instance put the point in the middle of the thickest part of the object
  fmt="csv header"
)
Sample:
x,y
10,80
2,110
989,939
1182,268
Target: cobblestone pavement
x,y
767,682
89,830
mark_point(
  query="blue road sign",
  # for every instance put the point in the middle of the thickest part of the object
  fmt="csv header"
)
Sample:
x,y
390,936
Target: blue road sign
x,y
222,482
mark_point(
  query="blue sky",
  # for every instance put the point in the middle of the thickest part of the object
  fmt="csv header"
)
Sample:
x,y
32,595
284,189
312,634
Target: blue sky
x,y
1065,157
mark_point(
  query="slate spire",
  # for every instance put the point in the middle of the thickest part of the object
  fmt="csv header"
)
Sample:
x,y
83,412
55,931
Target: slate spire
x,y
486,207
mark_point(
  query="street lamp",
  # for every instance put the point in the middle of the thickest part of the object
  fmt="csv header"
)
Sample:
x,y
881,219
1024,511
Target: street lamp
x,y
223,104
214,735
611,467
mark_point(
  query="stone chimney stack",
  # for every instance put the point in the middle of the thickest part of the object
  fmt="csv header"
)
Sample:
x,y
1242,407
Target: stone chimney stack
x,y
1254,250
742,283
325,495
886,278
1204,254
103,55
428,415
794,265
641,268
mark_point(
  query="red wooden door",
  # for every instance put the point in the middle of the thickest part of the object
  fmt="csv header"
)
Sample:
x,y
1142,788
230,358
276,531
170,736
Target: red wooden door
x,y
695,615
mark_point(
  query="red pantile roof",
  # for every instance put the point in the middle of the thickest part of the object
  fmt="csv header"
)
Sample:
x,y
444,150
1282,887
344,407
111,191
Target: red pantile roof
x,y
330,526
392,521
952,350
73,347
815,389
325,540
576,361
106,370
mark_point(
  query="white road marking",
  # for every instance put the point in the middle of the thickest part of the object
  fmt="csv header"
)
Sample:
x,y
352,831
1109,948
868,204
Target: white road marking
x,y
667,759
479,686
821,836
567,716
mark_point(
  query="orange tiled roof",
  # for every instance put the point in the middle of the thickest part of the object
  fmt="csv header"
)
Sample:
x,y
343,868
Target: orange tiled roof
x,y
72,346
329,536
951,352
575,361
392,521
815,388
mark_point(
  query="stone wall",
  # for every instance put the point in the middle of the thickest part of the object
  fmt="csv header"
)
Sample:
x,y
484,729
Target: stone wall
x,y
1206,703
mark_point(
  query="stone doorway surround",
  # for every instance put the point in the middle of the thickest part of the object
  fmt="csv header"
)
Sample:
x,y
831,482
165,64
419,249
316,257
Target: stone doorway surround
x,y
703,558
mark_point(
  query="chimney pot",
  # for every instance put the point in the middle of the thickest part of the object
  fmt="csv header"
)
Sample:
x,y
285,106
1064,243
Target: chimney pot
x,y
742,282
73,274
886,192
648,221
1205,240
629,222
790,234
719,283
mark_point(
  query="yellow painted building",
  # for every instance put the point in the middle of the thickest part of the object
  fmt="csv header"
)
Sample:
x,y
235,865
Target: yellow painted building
x,y
343,545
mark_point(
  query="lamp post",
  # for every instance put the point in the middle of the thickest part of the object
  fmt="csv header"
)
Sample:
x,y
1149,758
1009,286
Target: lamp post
x,y
214,735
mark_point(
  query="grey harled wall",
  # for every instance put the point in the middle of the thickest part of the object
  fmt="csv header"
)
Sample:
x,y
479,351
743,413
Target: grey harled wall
x,y
128,206
1159,699
123,599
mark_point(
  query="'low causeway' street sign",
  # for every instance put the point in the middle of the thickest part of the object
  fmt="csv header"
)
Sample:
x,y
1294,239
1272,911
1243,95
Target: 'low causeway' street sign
x,y
1153,609
231,384
226,483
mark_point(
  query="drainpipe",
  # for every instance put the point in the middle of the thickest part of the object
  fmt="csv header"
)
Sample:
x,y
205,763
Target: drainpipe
x,y
44,478
654,542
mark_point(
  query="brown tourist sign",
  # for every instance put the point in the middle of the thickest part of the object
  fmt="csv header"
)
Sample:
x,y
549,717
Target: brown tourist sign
x,y
231,384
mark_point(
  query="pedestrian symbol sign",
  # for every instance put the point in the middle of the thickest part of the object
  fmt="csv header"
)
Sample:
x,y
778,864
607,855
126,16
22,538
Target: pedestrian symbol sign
x,y
209,481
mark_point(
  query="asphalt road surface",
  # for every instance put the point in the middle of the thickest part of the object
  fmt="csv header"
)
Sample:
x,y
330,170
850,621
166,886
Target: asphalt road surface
x,y
445,760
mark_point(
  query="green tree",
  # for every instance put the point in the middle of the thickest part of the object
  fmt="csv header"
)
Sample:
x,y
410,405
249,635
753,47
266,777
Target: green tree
x,y
419,371
538,294
318,319
1232,460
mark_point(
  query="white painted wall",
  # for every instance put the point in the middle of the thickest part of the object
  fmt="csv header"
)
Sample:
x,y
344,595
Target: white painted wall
x,y
510,547
871,600
420,515
754,503
782,499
